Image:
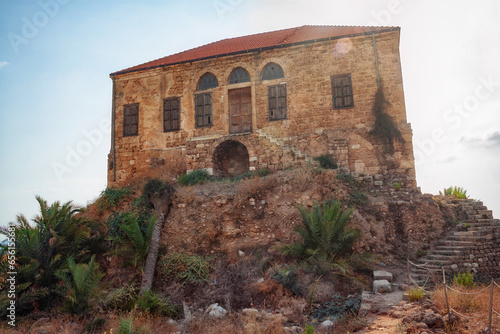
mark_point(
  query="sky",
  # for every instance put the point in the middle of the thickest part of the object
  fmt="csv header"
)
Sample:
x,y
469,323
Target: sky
x,y
55,90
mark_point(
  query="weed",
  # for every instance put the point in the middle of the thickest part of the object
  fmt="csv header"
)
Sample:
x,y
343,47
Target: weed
x,y
465,280
122,298
327,161
94,325
398,185
456,192
262,172
421,252
337,307
185,268
309,330
195,177
357,198
466,225
153,303
401,327
111,197
288,278
415,294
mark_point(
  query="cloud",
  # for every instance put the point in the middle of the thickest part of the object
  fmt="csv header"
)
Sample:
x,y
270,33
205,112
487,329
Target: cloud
x,y
488,140
448,160
3,64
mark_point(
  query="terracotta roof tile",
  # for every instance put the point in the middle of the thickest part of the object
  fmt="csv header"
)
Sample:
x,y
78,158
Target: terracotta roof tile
x,y
258,41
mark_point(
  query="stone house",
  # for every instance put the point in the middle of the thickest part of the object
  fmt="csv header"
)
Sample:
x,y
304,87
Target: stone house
x,y
269,100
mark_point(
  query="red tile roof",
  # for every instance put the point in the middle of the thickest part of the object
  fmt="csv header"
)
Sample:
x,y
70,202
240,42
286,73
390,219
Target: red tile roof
x,y
273,39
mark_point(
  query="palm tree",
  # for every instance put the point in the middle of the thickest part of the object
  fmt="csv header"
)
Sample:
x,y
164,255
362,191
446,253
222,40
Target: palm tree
x,y
327,241
158,195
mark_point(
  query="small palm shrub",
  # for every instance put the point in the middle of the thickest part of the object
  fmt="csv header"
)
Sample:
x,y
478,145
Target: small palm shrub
x,y
195,177
122,298
327,241
415,294
185,268
465,280
456,192
309,330
153,303
81,283
131,234
127,327
42,249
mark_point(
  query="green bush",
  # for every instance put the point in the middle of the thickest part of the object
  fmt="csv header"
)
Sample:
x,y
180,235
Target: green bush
x,y
185,268
326,239
357,198
153,303
81,283
415,294
309,330
262,172
122,298
110,197
456,192
131,235
155,187
465,280
288,278
195,177
327,161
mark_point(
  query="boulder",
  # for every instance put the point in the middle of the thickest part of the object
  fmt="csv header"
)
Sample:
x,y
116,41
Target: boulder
x,y
381,275
216,311
327,323
381,286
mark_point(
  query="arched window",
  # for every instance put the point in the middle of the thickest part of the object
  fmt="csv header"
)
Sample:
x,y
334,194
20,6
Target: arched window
x,y
207,81
239,75
272,71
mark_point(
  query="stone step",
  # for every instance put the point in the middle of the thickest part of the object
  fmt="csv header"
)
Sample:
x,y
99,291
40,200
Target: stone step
x,y
443,248
452,242
488,214
447,251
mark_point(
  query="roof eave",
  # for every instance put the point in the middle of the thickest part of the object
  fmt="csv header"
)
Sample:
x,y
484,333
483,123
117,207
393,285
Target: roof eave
x,y
255,50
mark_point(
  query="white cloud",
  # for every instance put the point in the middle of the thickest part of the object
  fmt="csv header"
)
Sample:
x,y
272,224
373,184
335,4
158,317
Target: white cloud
x,y
483,140
3,64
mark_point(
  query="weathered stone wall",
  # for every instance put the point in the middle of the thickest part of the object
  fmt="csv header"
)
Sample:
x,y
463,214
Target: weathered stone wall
x,y
312,126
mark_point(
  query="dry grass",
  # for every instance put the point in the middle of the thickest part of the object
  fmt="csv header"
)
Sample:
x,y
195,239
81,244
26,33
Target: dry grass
x,y
472,308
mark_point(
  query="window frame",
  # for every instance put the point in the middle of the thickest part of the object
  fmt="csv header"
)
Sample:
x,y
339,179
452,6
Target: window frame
x,y
242,76
339,91
130,118
271,111
207,81
173,113
280,75
205,114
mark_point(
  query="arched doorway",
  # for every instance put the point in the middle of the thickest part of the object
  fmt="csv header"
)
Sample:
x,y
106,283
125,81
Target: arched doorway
x,y
230,159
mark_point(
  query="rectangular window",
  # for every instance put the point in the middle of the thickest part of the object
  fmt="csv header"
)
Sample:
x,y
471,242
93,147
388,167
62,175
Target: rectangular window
x,y
342,91
171,114
277,102
203,110
131,119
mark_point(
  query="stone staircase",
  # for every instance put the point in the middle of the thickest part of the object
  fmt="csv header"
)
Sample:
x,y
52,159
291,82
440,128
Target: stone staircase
x,y
464,248
284,146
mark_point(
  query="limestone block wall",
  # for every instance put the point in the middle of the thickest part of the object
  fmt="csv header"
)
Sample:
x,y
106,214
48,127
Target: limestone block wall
x,y
312,126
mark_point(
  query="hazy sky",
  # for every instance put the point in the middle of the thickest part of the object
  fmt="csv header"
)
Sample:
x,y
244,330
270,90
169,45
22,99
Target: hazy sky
x,y
55,90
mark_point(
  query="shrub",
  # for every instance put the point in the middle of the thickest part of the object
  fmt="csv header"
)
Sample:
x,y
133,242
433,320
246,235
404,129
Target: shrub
x,y
127,327
153,303
327,161
122,298
338,306
465,280
415,294
155,187
357,198
456,192
262,172
326,239
195,177
185,268
309,330
288,278
81,283
132,236
110,197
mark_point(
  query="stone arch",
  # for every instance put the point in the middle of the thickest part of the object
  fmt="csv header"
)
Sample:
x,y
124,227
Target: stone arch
x,y
230,158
